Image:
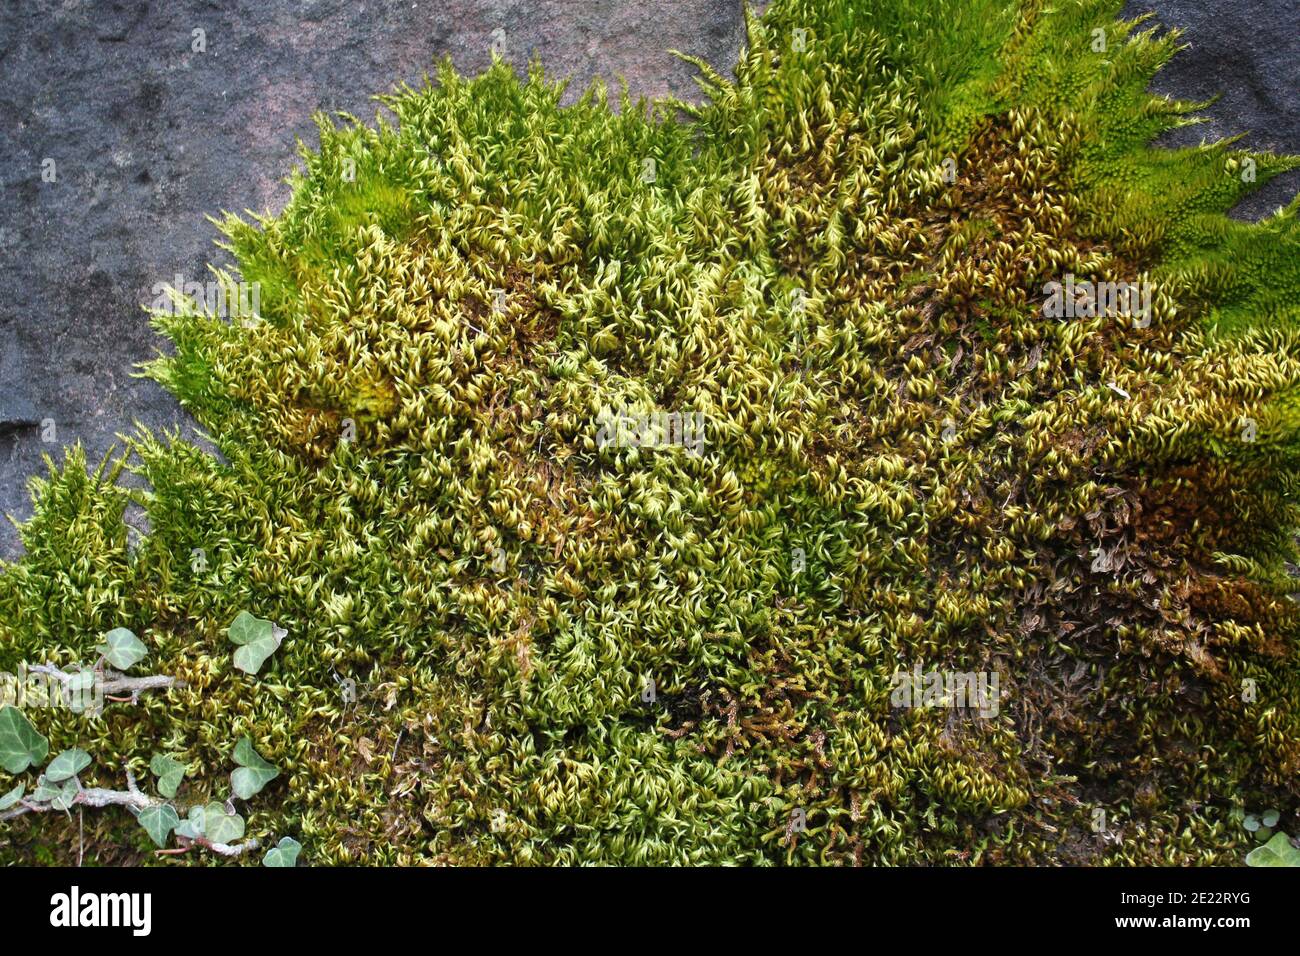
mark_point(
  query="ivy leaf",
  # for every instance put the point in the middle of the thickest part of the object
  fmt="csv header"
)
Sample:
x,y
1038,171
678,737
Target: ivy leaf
x,y
253,774
77,690
220,826
1276,852
44,792
169,771
159,822
13,796
122,648
192,827
67,796
258,640
67,764
20,744
285,853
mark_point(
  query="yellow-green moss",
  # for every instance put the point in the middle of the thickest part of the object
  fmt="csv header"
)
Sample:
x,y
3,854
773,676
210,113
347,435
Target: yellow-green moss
x,y
1092,526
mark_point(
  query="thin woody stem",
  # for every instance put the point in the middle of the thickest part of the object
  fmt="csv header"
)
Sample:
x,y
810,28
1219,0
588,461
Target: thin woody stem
x,y
113,682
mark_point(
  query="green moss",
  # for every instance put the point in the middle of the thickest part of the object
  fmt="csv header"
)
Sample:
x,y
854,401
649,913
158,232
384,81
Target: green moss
x,y
914,465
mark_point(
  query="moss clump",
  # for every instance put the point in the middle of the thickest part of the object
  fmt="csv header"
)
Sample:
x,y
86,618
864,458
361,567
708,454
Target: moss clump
x,y
840,262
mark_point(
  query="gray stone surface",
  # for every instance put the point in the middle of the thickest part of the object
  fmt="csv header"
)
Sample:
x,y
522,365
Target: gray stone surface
x,y
1246,52
149,137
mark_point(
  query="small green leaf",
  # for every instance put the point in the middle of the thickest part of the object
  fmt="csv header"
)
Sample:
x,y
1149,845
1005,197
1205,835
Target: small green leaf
x,y
45,792
220,826
159,822
67,796
285,853
13,796
20,745
1251,822
67,764
193,826
258,640
122,648
169,771
78,691
1276,852
1270,818
253,774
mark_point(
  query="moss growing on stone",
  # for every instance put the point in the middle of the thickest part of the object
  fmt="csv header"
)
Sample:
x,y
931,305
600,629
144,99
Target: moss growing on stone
x,y
569,651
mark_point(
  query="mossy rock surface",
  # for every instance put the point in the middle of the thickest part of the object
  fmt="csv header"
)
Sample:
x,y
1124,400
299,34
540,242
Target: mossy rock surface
x,y
567,651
